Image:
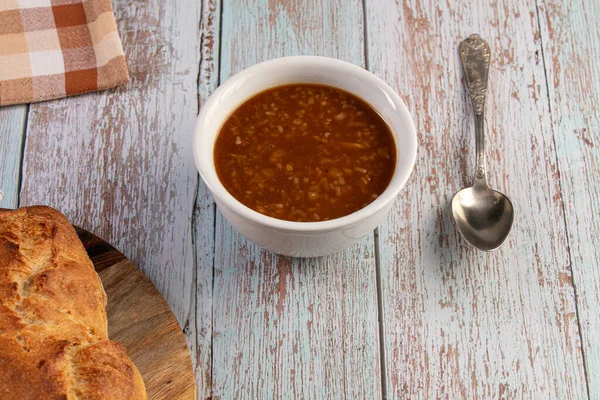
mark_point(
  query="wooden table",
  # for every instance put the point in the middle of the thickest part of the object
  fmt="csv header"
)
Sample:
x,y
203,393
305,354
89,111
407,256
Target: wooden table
x,y
411,311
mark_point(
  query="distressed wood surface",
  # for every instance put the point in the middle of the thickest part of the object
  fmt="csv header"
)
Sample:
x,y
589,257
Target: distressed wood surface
x,y
12,130
282,327
571,39
203,218
521,322
460,323
119,162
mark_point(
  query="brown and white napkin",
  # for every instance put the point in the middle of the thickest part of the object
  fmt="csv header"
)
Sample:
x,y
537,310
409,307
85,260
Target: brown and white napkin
x,y
56,48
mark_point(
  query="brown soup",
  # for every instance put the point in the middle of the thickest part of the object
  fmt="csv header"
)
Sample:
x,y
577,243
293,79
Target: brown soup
x,y
305,153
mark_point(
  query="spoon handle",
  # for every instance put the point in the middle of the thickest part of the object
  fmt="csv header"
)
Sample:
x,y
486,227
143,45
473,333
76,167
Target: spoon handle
x,y
475,57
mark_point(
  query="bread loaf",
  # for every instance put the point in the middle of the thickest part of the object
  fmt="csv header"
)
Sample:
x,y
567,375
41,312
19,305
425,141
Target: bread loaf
x,y
53,330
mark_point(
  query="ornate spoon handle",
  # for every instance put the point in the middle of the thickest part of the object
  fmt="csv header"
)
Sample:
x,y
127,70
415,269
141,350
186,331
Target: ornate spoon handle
x,y
475,57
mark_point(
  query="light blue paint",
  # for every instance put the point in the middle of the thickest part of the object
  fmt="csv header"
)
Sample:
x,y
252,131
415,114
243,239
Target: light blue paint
x,y
571,38
304,328
450,313
119,163
461,323
12,134
203,221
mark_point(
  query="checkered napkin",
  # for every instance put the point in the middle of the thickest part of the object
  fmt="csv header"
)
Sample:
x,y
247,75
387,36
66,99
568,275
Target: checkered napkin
x,y
56,48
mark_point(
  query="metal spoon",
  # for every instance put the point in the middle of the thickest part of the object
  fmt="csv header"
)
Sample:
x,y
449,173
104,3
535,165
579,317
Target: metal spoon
x,y
483,216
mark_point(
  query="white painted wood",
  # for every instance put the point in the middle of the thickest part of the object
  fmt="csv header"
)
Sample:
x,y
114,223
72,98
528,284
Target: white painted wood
x,y
291,328
204,212
571,38
12,129
119,162
461,323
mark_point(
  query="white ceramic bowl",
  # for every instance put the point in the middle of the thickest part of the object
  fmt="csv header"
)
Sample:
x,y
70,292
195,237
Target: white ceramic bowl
x,y
304,239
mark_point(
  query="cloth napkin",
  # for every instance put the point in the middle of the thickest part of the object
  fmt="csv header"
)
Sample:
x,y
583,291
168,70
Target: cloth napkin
x,y
56,48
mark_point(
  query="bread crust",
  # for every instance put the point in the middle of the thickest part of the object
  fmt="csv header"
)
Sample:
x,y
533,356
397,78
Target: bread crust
x,y
53,329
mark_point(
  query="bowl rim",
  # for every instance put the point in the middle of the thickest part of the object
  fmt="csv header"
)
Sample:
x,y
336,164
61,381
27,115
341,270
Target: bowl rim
x,y
402,171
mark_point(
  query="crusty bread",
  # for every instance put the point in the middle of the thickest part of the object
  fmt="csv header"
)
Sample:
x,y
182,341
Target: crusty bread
x,y
53,335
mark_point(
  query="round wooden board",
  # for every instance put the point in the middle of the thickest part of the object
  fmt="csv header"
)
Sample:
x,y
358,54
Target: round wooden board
x,y
140,319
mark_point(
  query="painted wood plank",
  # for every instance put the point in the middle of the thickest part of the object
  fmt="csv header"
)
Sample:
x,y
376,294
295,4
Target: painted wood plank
x,y
571,38
284,327
461,323
12,134
203,221
119,163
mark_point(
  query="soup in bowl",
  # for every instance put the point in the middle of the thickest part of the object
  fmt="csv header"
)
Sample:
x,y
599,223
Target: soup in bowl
x,y
304,155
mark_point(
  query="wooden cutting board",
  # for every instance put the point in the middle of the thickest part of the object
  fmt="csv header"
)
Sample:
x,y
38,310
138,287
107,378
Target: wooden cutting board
x,y
140,319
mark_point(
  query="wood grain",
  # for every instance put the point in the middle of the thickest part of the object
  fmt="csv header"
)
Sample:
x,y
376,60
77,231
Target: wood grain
x,y
458,324
571,39
282,327
461,323
12,134
119,162
140,319
203,221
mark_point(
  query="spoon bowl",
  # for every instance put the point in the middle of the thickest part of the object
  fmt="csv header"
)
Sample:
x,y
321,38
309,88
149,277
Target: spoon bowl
x,y
483,216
